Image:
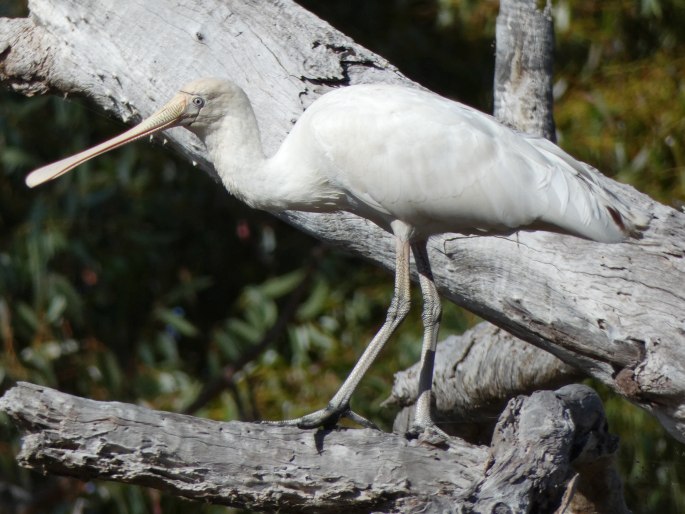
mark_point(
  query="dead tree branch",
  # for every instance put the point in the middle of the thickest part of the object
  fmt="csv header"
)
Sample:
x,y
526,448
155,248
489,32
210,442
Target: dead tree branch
x,y
538,442
614,311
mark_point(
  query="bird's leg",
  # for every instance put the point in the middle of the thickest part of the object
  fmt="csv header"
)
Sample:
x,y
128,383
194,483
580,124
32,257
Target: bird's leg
x,y
432,312
339,406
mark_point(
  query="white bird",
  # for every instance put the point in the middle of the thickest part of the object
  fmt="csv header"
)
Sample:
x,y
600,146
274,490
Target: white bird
x,y
412,162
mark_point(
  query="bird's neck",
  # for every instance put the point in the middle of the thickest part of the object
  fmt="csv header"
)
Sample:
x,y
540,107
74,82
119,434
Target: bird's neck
x,y
235,147
286,181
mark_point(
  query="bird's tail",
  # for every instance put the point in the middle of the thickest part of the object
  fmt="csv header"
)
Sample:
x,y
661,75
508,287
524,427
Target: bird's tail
x,y
585,207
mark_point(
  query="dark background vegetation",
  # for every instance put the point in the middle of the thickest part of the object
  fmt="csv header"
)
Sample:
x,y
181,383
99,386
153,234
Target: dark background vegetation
x,y
136,278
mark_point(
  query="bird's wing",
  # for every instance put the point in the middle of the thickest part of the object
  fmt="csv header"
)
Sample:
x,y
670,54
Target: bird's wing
x,y
418,157
443,167
581,204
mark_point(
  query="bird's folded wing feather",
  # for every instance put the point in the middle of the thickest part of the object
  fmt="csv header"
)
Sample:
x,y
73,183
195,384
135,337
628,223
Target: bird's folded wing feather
x,y
444,167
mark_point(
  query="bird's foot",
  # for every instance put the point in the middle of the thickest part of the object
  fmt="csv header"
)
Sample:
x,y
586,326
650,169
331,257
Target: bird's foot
x,y
429,433
326,418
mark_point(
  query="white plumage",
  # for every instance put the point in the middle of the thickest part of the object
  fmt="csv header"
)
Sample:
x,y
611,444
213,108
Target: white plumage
x,y
411,161
405,154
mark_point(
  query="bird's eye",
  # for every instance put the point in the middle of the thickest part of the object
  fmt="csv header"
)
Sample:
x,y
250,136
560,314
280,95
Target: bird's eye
x,y
198,101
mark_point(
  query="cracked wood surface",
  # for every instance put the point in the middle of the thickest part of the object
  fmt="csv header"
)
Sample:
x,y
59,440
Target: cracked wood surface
x,y
615,311
475,375
523,67
541,443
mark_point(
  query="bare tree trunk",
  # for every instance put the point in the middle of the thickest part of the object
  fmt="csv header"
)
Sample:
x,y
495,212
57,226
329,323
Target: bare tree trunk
x,y
523,67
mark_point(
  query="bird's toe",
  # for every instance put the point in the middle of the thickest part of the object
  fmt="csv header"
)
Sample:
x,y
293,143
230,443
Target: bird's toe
x,y
428,433
326,418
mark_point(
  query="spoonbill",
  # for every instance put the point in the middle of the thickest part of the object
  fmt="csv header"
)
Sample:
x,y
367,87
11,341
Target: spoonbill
x,y
413,162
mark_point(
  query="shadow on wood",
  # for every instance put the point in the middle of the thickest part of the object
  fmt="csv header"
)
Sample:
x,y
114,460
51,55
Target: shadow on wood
x,y
476,373
599,310
541,448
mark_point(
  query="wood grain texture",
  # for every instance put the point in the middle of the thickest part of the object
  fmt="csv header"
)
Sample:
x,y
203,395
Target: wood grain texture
x,y
615,311
475,375
539,439
523,67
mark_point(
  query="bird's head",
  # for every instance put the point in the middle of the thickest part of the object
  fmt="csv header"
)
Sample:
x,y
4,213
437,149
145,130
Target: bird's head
x,y
204,101
196,106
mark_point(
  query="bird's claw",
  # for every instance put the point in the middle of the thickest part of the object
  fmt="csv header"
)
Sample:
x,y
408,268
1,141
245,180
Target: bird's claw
x,y
326,418
428,433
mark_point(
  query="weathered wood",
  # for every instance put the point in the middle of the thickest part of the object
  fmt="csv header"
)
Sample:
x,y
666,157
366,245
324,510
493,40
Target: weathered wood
x,y
262,467
552,427
523,67
475,375
615,311
479,371
597,486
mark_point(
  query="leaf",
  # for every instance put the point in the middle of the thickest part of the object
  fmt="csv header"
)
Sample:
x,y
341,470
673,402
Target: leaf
x,y
175,320
243,330
227,345
262,315
279,286
315,302
168,348
58,304
27,315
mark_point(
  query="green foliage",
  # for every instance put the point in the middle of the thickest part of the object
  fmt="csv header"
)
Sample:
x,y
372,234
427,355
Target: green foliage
x,y
137,279
652,463
621,93
91,302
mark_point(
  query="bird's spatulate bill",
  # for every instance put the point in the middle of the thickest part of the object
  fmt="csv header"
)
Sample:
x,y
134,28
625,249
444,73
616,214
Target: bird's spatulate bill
x,y
166,117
